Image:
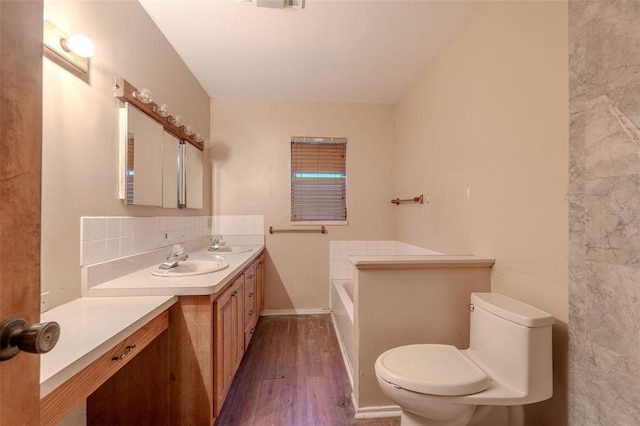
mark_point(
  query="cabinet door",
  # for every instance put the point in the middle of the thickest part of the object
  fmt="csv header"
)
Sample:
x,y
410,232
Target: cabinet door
x,y
228,347
170,170
193,177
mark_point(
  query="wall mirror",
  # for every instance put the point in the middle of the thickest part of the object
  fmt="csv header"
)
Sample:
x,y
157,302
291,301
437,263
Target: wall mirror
x,y
157,168
141,158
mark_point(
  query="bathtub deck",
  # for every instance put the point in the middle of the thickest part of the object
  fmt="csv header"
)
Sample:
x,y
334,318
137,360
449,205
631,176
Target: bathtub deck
x,y
293,375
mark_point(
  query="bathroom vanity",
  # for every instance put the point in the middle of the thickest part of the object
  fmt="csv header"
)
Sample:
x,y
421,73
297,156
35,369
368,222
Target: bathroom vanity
x,y
181,373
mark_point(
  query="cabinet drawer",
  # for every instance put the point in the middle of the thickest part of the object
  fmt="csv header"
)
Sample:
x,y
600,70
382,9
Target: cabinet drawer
x,y
63,399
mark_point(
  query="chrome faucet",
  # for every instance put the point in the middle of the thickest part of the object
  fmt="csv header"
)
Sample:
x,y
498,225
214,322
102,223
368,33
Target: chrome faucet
x,y
176,256
216,243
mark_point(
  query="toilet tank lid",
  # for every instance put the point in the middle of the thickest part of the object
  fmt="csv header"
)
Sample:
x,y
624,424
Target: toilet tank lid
x,y
512,310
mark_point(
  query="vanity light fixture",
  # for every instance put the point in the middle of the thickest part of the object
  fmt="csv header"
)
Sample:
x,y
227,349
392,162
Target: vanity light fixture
x,y
174,124
74,50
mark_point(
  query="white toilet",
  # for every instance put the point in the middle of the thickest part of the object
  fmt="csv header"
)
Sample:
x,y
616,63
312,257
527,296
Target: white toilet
x,y
508,364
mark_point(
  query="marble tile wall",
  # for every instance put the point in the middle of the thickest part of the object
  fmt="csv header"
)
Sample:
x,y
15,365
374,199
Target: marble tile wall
x,y
604,223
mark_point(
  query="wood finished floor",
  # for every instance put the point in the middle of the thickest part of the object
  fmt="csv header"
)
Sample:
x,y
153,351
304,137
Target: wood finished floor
x,y
293,375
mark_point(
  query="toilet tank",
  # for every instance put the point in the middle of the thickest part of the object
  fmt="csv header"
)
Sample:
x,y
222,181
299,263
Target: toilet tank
x,y
511,341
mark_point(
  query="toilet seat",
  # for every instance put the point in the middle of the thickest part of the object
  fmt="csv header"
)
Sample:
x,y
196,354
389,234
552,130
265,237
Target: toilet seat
x,y
431,369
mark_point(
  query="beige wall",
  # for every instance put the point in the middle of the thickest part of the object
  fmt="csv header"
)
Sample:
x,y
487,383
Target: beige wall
x,y
484,132
80,136
251,153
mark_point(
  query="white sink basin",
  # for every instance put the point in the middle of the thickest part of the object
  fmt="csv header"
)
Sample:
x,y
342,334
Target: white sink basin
x,y
192,267
231,250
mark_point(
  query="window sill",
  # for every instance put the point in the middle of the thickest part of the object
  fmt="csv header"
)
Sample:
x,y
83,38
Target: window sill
x,y
320,223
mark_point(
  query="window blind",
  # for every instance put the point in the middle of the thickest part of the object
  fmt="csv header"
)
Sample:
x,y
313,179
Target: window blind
x,y
318,179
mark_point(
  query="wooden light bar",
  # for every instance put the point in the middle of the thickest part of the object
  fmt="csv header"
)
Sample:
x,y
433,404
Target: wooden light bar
x,y
125,90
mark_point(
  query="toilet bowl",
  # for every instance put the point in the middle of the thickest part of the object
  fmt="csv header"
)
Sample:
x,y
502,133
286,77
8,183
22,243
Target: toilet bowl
x,y
508,364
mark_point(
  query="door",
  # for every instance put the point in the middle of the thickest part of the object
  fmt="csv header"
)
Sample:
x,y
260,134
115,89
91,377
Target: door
x,y
20,174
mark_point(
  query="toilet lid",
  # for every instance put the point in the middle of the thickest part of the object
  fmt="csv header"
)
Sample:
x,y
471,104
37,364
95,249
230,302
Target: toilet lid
x,y
431,369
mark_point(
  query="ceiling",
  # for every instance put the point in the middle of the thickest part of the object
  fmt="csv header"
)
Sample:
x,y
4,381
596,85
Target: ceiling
x,y
331,50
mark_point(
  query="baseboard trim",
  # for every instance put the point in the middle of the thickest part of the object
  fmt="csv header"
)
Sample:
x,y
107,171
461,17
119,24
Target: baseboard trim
x,y
272,312
374,412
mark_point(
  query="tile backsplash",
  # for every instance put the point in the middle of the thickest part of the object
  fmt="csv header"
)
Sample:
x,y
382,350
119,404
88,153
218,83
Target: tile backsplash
x,y
340,267
105,238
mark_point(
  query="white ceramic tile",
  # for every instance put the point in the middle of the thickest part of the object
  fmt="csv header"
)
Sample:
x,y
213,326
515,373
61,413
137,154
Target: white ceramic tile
x,y
93,252
93,228
259,225
125,246
113,248
113,227
125,226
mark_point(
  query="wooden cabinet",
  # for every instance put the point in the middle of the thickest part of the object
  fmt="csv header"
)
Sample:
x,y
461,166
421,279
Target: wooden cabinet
x,y
228,337
209,335
118,369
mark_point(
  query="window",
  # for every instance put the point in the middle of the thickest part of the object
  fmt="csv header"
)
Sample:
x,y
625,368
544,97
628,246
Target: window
x,y
318,179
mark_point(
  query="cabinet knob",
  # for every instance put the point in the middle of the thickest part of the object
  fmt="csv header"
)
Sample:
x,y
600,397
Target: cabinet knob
x,y
250,294
234,294
250,276
251,313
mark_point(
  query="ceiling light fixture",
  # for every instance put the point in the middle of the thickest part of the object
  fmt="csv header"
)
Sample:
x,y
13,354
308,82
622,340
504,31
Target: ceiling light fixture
x,y
74,51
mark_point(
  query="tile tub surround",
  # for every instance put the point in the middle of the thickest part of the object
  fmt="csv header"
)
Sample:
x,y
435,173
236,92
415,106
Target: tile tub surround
x,y
341,268
604,248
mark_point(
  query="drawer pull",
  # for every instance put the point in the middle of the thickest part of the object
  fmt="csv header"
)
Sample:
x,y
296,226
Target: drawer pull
x,y
250,276
250,294
234,294
128,349
251,313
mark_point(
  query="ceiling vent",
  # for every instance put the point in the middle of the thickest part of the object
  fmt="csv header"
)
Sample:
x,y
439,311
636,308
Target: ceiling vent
x,y
276,4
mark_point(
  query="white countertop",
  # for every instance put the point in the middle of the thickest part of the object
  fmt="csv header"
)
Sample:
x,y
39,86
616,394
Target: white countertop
x,y
89,327
142,283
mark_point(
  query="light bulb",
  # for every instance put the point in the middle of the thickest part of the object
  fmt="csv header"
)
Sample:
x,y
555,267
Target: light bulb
x,y
143,95
188,129
176,120
162,110
81,45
